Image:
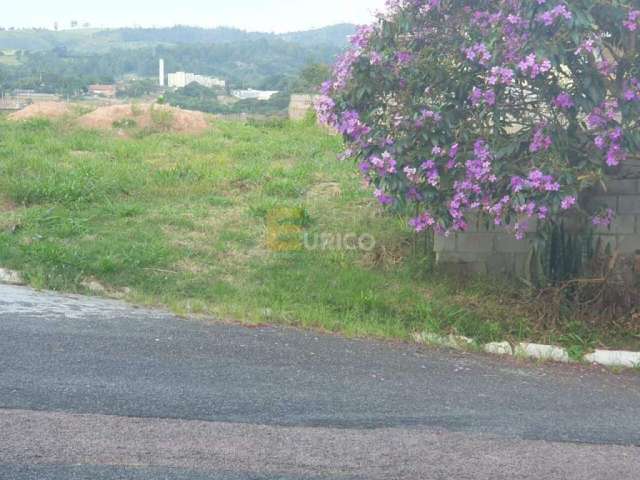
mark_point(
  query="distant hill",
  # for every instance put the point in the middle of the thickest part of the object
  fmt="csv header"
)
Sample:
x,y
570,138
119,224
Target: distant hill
x,y
40,39
335,35
103,40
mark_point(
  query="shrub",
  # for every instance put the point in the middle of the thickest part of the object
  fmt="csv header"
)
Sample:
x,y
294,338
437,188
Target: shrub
x,y
505,109
125,123
161,119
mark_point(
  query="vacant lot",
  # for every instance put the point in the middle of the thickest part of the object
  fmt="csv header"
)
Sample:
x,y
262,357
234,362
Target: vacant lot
x,y
188,222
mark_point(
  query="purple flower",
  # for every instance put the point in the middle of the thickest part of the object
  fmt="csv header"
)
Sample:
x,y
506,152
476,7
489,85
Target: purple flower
x,y
568,202
587,46
479,53
517,184
376,58
402,58
362,36
477,97
426,115
422,222
325,109
615,155
604,220
541,141
351,126
382,197
534,67
549,17
501,76
631,23
384,164
564,101
541,182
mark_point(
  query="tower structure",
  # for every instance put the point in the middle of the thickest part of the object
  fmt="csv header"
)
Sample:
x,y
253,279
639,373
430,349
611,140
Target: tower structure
x,y
161,73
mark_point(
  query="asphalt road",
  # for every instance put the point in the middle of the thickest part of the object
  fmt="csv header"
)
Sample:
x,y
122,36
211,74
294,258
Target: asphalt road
x,y
93,389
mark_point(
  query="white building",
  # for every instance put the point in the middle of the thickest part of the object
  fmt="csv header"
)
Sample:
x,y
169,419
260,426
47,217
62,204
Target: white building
x,y
182,79
256,94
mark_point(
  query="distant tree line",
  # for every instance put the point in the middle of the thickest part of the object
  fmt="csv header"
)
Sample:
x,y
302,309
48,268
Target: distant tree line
x,y
262,64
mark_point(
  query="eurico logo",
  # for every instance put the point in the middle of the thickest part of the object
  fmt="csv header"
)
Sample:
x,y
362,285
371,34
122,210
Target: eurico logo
x,y
286,233
338,241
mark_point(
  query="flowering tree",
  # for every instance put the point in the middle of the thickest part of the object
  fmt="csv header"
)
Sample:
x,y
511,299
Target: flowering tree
x,y
501,108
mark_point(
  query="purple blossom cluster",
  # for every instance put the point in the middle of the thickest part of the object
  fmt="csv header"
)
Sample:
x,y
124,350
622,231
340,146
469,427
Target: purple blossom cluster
x,y
425,116
564,101
479,96
351,126
423,222
604,119
533,66
632,90
382,165
535,181
551,16
633,21
478,53
501,76
541,141
421,135
604,220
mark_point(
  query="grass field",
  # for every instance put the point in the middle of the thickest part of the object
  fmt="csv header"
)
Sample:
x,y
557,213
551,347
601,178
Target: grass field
x,y
188,222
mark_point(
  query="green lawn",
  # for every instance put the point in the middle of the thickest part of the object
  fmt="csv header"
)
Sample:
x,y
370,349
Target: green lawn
x,y
184,222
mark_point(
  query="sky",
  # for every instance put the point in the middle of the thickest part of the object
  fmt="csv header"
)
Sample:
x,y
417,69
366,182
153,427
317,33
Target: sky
x,y
255,15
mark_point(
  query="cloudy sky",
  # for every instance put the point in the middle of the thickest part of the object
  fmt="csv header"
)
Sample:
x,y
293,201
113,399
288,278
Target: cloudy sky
x,y
261,15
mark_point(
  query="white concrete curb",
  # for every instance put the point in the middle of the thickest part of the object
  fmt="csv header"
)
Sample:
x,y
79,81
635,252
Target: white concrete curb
x,y
542,352
607,358
614,359
11,277
498,348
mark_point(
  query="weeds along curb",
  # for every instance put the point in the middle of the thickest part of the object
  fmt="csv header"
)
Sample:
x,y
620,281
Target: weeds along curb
x,y
532,351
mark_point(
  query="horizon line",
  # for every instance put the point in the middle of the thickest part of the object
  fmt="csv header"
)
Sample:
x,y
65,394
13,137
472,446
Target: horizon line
x,y
160,27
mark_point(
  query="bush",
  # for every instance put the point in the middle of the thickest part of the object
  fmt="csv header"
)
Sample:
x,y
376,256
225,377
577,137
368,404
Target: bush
x,y
503,109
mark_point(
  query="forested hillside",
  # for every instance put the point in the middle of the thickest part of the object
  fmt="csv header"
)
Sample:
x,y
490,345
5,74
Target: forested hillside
x,y
268,64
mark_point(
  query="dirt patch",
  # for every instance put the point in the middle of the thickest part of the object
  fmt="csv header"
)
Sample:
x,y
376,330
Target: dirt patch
x,y
325,190
42,110
188,265
7,205
145,116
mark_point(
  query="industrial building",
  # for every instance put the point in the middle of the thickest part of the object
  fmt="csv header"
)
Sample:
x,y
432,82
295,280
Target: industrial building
x,y
253,94
31,96
103,90
182,79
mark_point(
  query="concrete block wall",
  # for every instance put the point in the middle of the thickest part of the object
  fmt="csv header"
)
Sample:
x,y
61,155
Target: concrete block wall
x,y
623,196
495,251
485,251
300,105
